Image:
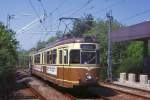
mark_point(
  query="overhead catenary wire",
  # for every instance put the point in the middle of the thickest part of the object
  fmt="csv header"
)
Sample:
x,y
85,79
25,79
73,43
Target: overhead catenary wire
x,y
41,21
42,5
28,26
135,15
117,3
52,12
76,11
104,9
58,7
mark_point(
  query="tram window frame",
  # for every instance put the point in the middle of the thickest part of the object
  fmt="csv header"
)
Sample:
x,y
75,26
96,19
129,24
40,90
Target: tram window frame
x,y
65,55
77,56
97,56
45,57
37,59
86,60
54,56
48,57
42,54
60,56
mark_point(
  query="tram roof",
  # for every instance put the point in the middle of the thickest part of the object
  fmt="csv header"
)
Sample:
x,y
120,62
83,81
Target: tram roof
x,y
66,40
139,31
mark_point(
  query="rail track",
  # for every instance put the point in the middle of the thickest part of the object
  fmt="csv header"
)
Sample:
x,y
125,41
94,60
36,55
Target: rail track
x,y
135,92
43,89
106,91
37,94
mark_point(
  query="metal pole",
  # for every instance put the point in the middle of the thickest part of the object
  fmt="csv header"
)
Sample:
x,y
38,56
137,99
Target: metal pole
x,y
9,17
8,22
109,59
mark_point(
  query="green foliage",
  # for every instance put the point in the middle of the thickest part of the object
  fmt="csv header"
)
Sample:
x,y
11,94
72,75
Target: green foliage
x,y
23,57
8,61
81,26
100,30
134,60
40,45
52,39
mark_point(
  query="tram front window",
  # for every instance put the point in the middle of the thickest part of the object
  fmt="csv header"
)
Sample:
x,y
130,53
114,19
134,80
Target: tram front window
x,y
84,57
75,56
88,57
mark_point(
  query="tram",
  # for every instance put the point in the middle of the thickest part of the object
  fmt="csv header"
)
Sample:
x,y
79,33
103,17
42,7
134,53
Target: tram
x,y
68,62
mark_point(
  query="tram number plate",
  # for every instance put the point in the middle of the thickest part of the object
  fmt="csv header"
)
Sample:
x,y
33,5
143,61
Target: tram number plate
x,y
52,70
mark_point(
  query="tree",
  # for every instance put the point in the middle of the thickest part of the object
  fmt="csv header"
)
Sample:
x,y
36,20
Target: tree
x,y
81,26
8,61
23,57
133,61
40,45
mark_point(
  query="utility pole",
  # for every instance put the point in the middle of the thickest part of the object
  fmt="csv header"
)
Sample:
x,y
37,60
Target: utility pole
x,y
9,17
109,58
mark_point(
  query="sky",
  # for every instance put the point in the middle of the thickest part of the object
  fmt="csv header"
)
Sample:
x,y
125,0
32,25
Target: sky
x,y
128,12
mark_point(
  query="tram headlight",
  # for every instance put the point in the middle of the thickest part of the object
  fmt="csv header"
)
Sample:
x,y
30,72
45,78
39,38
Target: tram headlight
x,y
88,76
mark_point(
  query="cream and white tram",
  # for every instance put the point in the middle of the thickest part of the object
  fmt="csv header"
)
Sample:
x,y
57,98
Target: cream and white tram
x,y
68,62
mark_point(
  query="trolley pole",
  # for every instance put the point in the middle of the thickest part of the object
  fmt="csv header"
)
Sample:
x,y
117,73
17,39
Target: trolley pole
x,y
109,58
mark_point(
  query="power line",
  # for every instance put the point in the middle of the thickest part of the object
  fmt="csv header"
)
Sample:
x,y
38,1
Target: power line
x,y
87,3
42,5
44,10
30,24
135,15
34,9
38,15
76,11
117,3
52,12
58,7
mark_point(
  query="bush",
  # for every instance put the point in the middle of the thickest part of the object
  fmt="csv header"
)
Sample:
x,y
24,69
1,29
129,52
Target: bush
x,y
8,61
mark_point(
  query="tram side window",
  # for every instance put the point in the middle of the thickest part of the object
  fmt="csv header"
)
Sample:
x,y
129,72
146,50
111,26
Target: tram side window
x,y
54,55
98,56
60,57
48,57
37,59
65,56
75,56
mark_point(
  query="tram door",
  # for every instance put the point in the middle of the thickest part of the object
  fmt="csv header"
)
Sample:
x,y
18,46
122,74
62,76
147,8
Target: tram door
x,y
65,63
30,64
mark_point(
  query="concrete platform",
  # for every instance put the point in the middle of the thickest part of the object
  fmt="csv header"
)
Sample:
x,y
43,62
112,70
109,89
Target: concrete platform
x,y
136,85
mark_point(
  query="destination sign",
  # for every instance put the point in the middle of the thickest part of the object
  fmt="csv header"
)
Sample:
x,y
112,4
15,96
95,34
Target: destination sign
x,y
88,46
